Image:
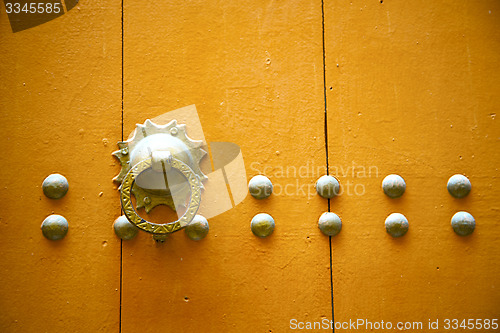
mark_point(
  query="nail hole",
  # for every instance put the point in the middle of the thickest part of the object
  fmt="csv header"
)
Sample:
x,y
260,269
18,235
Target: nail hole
x,y
186,299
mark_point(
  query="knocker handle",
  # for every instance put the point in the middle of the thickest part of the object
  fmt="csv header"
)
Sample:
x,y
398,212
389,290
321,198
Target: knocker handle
x,y
156,228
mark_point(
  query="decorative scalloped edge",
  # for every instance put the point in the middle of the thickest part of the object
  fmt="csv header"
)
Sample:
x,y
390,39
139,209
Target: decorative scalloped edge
x,y
147,129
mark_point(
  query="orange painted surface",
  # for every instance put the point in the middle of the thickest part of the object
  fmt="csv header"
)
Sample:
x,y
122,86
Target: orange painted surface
x,y
254,71
411,89
60,112
415,92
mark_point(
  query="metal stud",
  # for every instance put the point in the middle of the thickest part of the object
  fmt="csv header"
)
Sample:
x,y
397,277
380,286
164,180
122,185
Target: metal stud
x,y
327,186
459,186
124,229
55,186
262,225
329,224
463,223
396,225
394,186
197,229
260,187
54,227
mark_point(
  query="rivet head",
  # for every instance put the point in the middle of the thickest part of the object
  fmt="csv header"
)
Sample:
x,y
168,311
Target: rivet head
x,y
329,224
147,200
463,223
174,131
396,225
394,186
459,186
55,186
262,225
327,186
124,229
197,229
55,227
260,187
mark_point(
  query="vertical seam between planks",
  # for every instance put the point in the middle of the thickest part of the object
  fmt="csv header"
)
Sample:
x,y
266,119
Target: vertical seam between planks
x,y
121,241
326,151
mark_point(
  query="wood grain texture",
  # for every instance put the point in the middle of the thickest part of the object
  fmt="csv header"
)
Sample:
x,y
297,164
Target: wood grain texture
x,y
60,112
413,90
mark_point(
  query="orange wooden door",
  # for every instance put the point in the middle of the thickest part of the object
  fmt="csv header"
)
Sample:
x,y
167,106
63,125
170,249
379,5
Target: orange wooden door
x,y
412,89
60,112
254,72
405,88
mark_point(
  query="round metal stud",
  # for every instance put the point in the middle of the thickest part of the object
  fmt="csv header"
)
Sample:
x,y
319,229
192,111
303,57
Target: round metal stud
x,y
394,186
459,186
197,229
124,229
262,225
396,225
55,186
329,224
260,187
463,223
327,186
55,227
